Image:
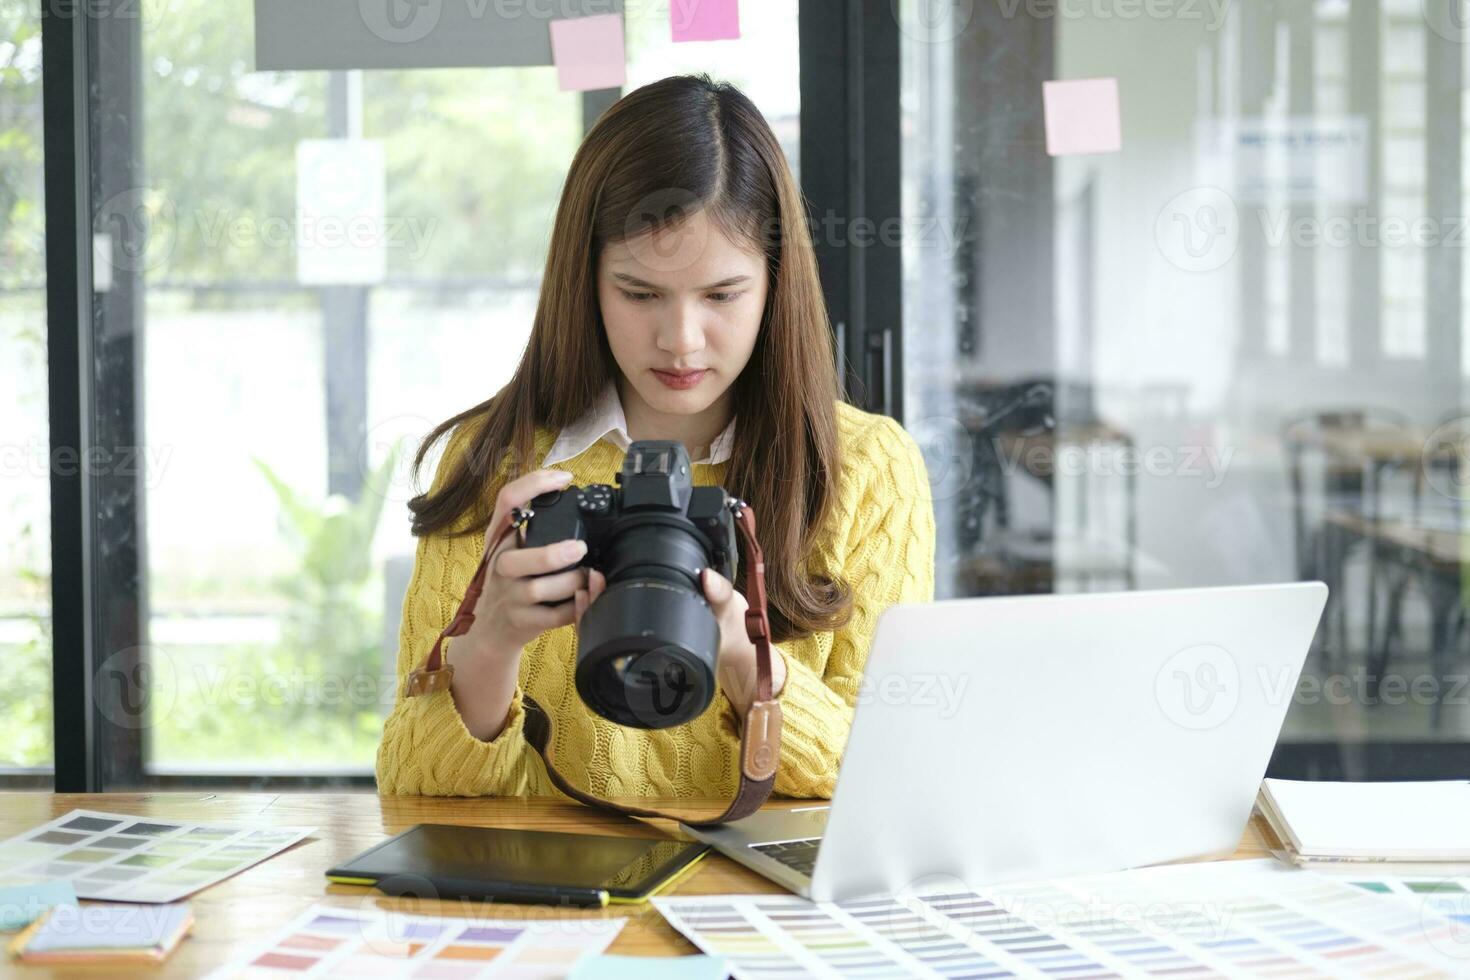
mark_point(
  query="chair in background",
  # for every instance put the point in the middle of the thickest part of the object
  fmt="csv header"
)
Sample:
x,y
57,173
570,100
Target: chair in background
x,y
1355,449
1429,558
1014,435
1428,550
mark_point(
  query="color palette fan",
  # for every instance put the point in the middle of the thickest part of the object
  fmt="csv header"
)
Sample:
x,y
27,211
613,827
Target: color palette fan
x,y
124,858
1231,918
340,942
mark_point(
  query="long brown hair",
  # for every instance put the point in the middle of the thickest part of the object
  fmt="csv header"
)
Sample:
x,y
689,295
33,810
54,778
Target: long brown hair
x,y
660,153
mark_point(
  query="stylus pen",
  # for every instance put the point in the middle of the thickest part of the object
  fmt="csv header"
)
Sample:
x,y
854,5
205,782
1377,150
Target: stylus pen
x,y
501,891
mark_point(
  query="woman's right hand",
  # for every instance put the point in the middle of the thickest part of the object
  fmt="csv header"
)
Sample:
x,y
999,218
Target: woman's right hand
x,y
509,614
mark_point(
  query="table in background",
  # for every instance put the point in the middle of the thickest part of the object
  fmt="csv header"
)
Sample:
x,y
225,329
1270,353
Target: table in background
x,y
244,909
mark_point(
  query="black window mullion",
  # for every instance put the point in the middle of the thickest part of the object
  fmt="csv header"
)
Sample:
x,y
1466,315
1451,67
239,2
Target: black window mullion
x,y
125,675
92,117
882,201
825,177
850,169
68,308
595,103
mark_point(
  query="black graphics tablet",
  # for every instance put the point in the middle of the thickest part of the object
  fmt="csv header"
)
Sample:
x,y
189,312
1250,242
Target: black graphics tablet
x,y
448,861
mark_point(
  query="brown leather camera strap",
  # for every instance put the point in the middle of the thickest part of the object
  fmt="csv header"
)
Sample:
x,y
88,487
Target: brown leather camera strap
x,y
760,735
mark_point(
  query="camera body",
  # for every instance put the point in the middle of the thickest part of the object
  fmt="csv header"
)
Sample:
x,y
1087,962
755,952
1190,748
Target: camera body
x,y
648,646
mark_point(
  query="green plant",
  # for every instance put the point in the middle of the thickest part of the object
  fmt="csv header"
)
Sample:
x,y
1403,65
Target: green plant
x,y
333,625
25,700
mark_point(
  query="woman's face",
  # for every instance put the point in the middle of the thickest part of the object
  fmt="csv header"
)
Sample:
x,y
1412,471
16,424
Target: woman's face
x,y
684,298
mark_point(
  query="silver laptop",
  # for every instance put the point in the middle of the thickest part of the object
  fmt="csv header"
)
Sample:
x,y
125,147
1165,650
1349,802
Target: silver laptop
x,y
999,739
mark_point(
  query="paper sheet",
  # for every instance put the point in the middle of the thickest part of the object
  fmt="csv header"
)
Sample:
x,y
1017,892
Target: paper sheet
x,y
352,942
588,52
137,859
1082,116
23,904
704,20
1234,918
1408,821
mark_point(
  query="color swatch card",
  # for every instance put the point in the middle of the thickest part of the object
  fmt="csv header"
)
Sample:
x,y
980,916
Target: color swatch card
x,y
1448,897
132,859
1229,918
326,941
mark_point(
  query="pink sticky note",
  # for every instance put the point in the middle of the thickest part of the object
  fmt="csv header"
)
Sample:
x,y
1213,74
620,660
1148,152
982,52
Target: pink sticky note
x,y
704,20
1082,116
588,52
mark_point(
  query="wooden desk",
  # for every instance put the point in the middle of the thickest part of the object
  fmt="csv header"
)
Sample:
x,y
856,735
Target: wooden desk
x,y
255,903
1435,548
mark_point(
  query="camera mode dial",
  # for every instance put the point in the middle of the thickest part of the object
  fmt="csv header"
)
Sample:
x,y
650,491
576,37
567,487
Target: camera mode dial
x,y
595,499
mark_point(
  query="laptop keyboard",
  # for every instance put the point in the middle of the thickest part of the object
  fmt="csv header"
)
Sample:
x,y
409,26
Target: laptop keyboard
x,y
798,855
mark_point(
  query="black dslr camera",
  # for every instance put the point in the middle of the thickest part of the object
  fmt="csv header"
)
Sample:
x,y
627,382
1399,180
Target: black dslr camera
x,y
647,647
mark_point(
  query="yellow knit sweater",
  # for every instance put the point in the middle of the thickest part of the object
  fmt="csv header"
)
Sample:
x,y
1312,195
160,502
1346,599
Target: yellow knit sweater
x,y
882,537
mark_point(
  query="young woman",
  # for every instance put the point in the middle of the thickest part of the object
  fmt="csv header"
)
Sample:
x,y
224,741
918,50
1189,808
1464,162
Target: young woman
x,y
680,301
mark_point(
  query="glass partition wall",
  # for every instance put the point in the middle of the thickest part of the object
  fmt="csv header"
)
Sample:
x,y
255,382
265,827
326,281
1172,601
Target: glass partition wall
x,y
1231,352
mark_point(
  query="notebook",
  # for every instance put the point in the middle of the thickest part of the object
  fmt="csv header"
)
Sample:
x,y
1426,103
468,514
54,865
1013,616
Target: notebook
x,y
104,934
1369,822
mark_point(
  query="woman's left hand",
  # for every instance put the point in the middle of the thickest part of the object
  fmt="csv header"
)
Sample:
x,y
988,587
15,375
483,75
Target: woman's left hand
x,y
736,670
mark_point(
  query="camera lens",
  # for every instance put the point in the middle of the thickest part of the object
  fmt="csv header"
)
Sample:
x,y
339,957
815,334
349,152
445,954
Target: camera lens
x,y
647,646
657,685
634,676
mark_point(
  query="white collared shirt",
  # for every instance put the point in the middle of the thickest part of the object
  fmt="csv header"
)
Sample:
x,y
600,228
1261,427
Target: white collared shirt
x,y
606,419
